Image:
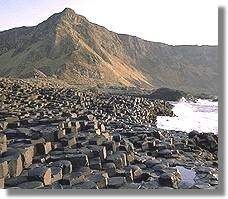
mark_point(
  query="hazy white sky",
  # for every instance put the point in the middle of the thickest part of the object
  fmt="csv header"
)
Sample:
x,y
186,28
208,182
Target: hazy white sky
x,y
168,21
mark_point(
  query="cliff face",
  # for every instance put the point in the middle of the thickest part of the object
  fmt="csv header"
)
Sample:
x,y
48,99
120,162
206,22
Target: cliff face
x,y
75,50
189,68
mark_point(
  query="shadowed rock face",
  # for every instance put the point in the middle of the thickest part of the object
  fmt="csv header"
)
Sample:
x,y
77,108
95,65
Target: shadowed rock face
x,y
170,95
71,48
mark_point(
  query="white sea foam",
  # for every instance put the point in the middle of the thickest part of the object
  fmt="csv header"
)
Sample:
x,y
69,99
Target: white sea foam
x,y
201,116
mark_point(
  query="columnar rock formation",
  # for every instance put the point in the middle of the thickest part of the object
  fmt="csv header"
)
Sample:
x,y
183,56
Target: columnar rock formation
x,y
58,138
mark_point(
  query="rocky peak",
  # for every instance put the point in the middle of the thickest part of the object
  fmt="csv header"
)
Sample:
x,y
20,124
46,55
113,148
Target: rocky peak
x,y
91,51
68,11
68,15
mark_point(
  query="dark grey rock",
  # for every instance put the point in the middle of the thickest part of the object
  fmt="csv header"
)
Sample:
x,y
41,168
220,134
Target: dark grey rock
x,y
116,182
31,185
78,160
65,165
42,174
152,162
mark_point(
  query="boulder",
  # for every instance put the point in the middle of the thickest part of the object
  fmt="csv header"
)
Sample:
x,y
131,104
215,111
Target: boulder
x,y
56,174
110,168
169,179
42,174
165,153
119,159
68,141
78,160
152,162
15,164
136,171
116,182
101,179
43,148
65,165
167,94
95,163
98,151
76,177
27,154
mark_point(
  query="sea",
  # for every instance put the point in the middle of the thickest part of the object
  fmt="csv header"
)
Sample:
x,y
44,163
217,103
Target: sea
x,y
201,116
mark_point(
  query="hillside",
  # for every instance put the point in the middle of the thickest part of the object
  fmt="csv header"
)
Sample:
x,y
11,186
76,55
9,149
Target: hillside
x,y
69,47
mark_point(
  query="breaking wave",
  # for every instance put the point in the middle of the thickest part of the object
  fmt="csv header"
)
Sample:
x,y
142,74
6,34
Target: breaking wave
x,y
201,116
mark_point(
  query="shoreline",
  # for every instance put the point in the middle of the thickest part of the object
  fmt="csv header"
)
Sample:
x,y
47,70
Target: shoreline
x,y
59,138
201,116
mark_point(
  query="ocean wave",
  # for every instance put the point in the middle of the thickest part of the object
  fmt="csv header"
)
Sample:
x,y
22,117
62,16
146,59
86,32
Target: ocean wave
x,y
201,116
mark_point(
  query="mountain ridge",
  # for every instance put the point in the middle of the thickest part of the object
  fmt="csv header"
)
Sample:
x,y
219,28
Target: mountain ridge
x,y
71,48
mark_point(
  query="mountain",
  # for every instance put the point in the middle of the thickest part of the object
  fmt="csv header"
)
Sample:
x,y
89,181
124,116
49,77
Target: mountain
x,y
69,47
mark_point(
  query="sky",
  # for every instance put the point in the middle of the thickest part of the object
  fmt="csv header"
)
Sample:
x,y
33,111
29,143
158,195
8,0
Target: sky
x,y
175,22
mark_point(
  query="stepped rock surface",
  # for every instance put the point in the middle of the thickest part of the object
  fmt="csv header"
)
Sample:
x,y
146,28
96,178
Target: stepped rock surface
x,y
56,137
69,47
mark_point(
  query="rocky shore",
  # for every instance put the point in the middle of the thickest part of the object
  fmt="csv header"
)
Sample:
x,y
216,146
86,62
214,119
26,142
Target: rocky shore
x,y
55,137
